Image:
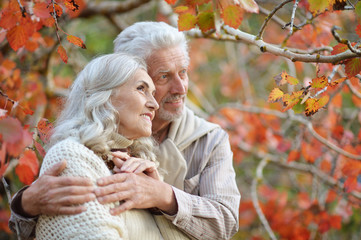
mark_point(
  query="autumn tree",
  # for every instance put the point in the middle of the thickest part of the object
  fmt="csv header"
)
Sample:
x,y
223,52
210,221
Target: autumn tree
x,y
282,77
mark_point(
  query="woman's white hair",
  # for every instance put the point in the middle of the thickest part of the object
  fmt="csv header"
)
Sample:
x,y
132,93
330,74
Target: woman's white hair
x,y
144,38
89,115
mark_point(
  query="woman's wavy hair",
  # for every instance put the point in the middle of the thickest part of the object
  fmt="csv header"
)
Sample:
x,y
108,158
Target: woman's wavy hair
x,y
89,115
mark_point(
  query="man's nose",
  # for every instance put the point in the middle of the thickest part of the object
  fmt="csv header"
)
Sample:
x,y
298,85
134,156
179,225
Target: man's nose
x,y
179,85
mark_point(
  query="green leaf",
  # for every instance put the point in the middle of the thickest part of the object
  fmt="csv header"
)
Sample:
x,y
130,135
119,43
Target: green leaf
x,y
186,22
206,21
232,16
318,6
358,9
352,67
298,108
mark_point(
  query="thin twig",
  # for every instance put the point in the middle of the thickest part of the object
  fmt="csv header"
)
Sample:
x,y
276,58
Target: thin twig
x,y
293,16
255,201
296,118
56,21
268,18
344,41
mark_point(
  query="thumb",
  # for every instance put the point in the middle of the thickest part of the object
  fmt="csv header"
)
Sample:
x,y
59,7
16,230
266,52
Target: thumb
x,y
56,169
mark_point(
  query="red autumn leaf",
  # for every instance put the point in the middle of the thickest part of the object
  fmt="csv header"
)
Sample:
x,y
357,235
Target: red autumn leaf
x,y
304,200
44,130
352,168
62,54
3,161
76,41
249,5
319,82
186,22
352,67
339,48
275,95
71,5
358,30
39,148
8,19
310,152
17,37
350,184
232,16
31,46
41,10
206,21
11,130
171,1
28,167
294,155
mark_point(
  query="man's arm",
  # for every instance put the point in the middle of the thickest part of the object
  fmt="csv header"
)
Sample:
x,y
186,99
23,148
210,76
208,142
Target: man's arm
x,y
49,195
209,211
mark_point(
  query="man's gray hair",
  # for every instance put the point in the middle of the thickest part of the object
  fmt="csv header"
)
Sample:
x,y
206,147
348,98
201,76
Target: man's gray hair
x,y
144,38
89,115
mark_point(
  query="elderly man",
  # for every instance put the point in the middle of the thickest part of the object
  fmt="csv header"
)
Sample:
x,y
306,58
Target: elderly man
x,y
199,195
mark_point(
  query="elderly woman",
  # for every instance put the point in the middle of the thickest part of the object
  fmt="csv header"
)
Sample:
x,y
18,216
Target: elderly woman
x,y
109,109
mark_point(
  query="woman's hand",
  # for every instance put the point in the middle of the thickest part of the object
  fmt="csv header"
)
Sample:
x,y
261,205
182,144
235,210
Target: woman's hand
x,y
125,163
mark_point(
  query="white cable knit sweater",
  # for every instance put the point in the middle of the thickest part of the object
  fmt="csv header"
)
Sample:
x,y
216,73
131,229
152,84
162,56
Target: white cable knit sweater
x,y
96,222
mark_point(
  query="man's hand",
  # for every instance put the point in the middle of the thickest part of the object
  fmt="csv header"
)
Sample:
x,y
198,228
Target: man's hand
x,y
52,194
136,191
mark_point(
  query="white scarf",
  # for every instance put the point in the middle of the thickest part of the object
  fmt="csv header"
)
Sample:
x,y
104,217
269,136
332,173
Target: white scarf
x,y
183,132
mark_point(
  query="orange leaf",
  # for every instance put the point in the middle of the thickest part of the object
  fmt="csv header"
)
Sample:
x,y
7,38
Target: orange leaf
x,y
275,95
206,21
62,54
28,167
181,9
293,156
76,41
8,19
352,168
319,82
31,46
284,78
352,67
41,10
358,30
339,48
186,22
290,101
11,130
340,80
17,37
171,1
58,10
232,16
350,184
71,5
249,6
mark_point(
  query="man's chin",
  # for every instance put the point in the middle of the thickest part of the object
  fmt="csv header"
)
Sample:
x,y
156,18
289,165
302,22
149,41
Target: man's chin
x,y
169,115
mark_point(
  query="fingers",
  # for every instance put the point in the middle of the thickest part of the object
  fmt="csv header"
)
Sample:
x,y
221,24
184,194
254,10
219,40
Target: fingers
x,y
70,210
127,205
121,155
77,199
116,178
56,169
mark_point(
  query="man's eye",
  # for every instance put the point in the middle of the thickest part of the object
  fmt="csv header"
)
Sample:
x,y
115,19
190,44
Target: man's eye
x,y
141,88
164,76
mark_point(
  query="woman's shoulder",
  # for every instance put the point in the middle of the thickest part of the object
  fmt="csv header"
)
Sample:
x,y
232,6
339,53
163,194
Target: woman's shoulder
x,y
70,149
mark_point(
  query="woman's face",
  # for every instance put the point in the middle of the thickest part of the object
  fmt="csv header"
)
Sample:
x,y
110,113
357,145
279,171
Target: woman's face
x,y
136,105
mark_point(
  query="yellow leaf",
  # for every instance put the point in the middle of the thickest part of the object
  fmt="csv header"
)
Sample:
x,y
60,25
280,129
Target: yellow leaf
x,y
284,78
275,95
319,82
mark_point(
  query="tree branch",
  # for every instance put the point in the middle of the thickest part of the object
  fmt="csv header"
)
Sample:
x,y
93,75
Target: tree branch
x,y
296,118
240,36
344,41
255,201
110,7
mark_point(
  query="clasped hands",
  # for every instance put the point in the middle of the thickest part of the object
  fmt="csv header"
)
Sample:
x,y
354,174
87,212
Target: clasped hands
x,y
136,184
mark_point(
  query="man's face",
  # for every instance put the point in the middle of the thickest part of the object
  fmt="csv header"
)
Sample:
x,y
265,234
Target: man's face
x,y
168,69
